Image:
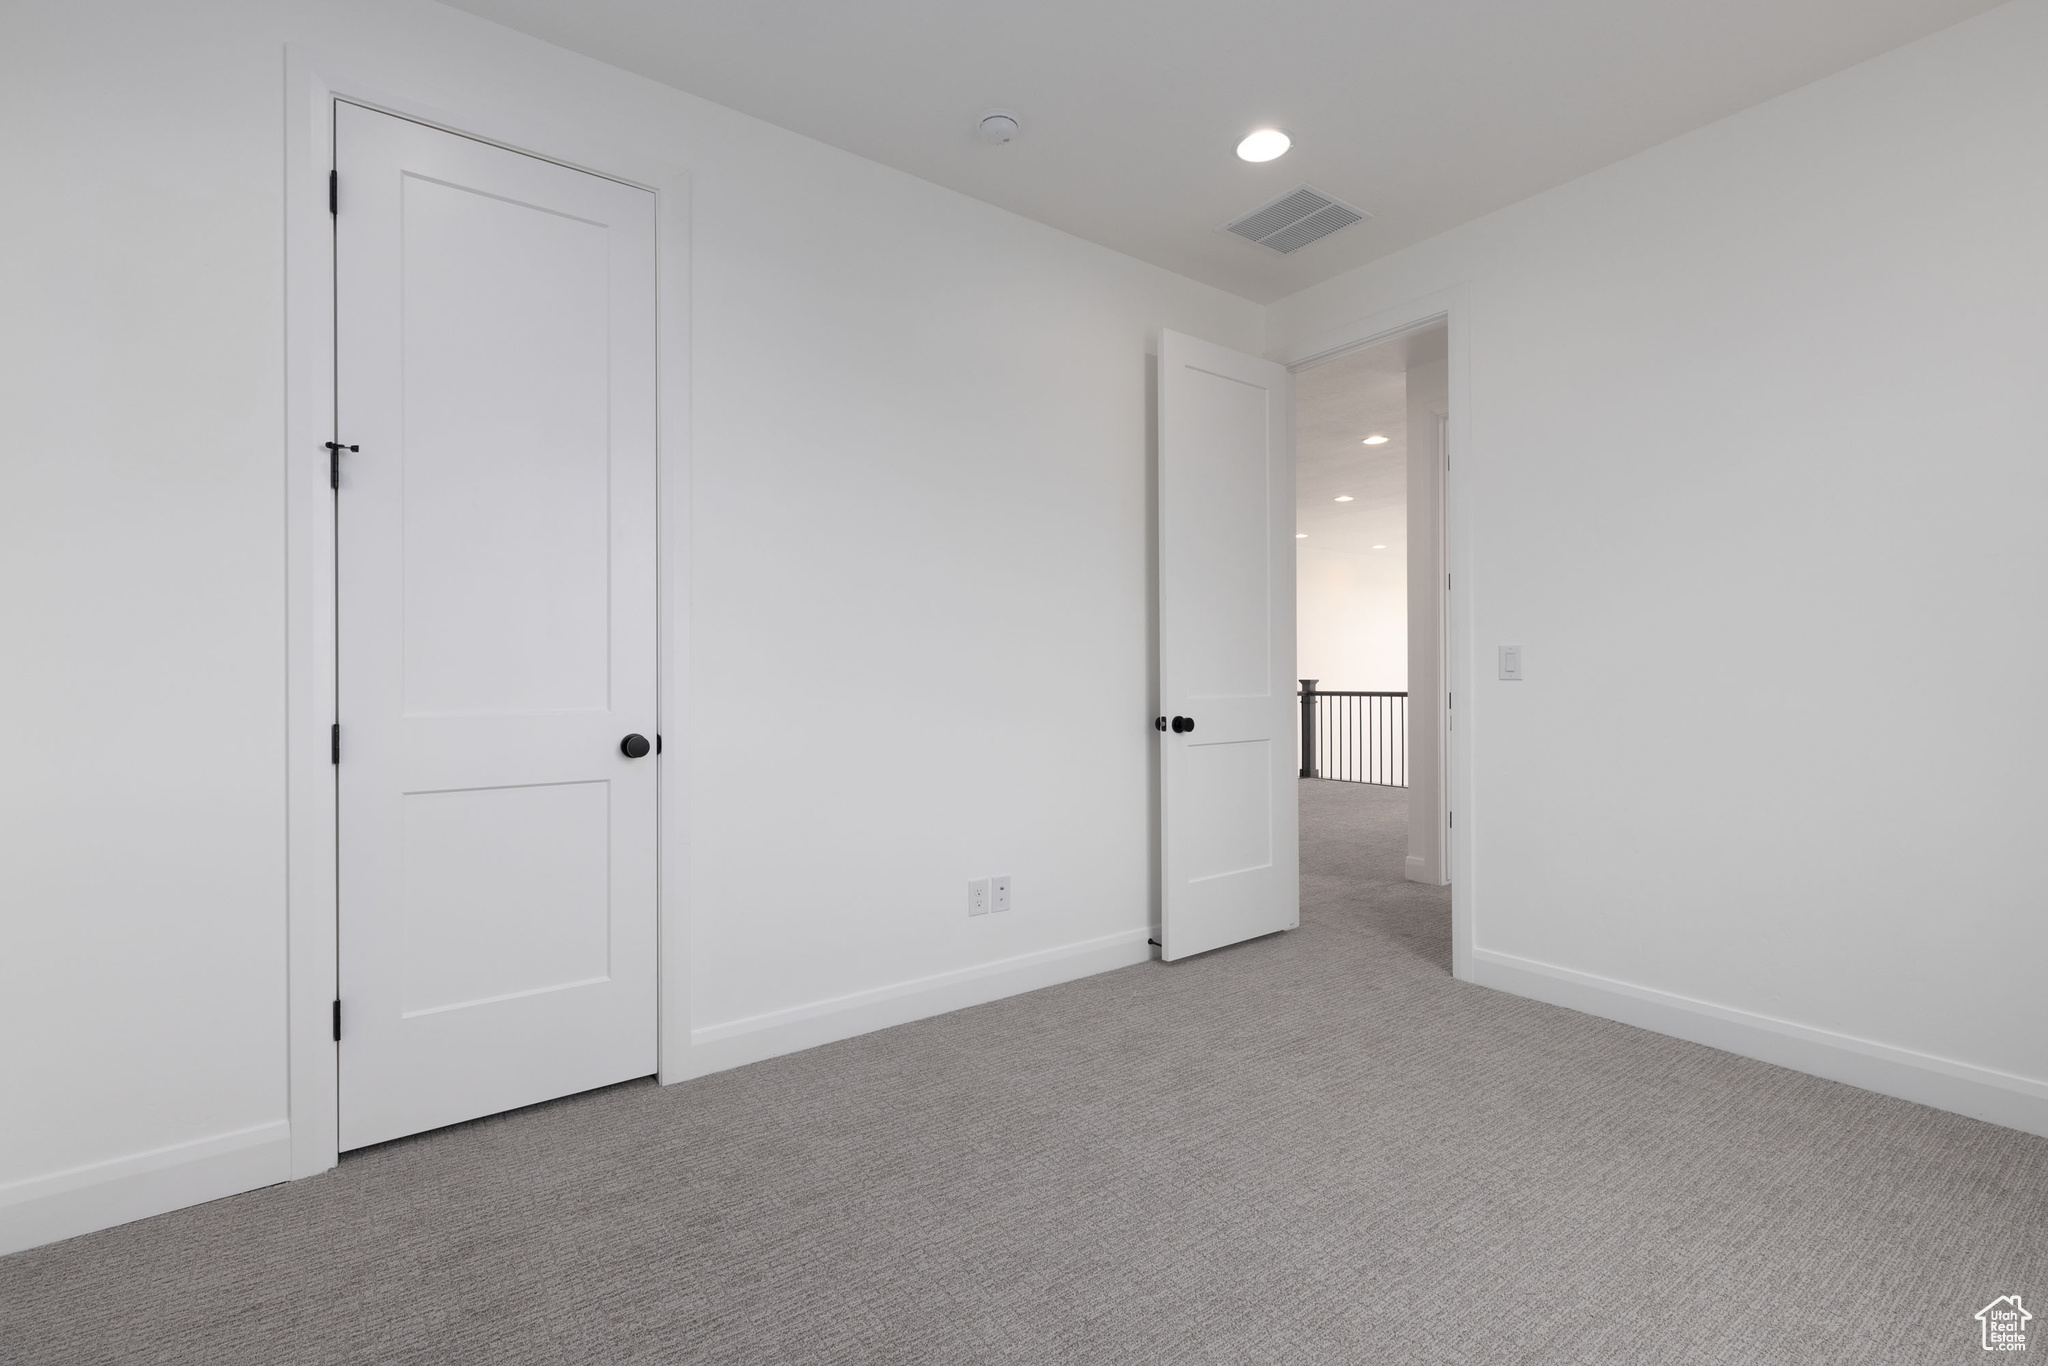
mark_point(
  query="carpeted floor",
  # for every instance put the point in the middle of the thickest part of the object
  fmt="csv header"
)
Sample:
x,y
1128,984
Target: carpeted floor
x,y
1313,1148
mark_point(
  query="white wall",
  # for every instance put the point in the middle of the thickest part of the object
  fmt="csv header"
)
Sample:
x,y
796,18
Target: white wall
x,y
1351,630
920,488
1755,469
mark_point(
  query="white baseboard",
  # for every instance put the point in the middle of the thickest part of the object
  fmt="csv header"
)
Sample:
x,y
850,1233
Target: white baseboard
x,y
64,1204
1423,871
1962,1088
714,1048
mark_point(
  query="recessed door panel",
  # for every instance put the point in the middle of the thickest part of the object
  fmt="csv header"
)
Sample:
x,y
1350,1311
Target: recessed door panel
x,y
496,621
507,454
507,892
1227,795
1223,513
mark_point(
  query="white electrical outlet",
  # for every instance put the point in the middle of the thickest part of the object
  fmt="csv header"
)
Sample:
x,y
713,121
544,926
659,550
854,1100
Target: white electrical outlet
x,y
977,896
999,893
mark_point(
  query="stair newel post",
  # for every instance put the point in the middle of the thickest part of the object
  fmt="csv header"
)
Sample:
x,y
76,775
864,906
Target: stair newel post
x,y
1308,728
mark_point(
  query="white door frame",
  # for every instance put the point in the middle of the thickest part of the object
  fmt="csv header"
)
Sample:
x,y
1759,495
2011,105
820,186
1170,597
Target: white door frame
x,y
1452,308
313,82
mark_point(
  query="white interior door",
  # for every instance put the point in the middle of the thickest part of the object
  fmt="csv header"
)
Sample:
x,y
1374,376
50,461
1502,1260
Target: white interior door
x,y
496,618
1230,862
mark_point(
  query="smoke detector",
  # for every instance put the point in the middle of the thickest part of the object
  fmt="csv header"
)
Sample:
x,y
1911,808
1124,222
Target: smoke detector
x,y
998,126
1301,216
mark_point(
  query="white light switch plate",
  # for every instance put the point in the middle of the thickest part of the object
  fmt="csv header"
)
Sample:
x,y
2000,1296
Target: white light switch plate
x,y
1511,663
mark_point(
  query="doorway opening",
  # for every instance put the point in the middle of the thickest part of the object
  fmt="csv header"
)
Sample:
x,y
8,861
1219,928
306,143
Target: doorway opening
x,y
1371,436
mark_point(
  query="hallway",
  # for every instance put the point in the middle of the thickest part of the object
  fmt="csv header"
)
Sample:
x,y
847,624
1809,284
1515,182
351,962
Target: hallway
x,y
1315,1147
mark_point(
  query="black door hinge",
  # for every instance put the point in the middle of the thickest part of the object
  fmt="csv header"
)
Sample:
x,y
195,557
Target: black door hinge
x,y
334,192
334,450
657,742
337,1022
336,740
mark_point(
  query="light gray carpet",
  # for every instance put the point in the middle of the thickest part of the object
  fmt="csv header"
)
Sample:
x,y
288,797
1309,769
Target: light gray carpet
x,y
1313,1148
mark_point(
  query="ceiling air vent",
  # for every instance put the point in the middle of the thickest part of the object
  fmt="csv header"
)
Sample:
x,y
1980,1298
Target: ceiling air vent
x,y
1295,219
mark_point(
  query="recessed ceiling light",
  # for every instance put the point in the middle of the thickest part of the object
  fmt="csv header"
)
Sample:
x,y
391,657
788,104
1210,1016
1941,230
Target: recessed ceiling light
x,y
1375,441
1264,145
1301,535
1343,497
1379,547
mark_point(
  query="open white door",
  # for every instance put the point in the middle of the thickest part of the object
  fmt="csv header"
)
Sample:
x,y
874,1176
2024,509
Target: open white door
x,y
495,536
1230,861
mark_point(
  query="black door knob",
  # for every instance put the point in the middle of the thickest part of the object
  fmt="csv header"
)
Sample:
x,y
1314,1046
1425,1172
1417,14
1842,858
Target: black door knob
x,y
1159,722
634,747
1183,724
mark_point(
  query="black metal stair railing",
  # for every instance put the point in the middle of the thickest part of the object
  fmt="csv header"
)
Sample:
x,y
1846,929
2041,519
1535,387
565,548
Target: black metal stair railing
x,y
1354,737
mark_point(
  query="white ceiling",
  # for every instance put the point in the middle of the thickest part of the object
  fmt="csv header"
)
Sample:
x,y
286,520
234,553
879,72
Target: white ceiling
x,y
1428,113
1336,406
